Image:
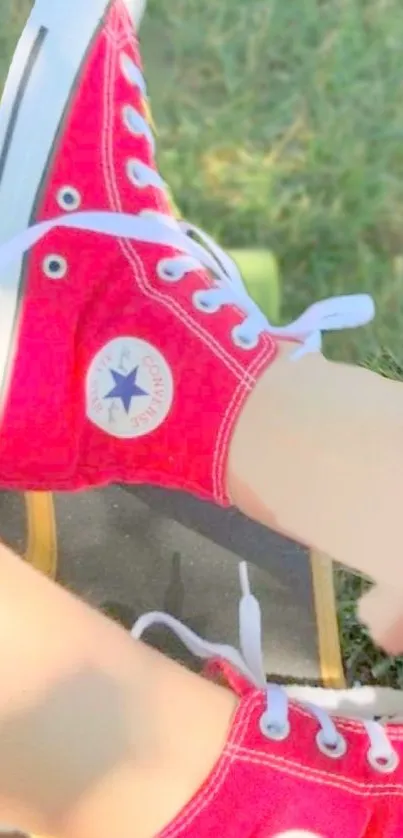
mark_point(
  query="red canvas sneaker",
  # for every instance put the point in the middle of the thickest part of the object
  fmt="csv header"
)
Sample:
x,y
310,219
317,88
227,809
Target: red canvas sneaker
x,y
128,345
294,768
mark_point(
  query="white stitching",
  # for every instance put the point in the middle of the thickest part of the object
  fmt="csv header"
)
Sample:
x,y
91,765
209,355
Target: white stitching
x,y
294,769
230,419
217,778
148,289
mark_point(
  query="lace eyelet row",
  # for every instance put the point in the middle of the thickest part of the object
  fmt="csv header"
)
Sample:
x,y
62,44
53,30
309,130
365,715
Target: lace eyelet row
x,y
55,266
69,199
169,272
333,750
202,303
166,268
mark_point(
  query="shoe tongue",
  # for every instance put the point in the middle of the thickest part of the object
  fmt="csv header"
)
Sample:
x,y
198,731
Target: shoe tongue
x,y
222,673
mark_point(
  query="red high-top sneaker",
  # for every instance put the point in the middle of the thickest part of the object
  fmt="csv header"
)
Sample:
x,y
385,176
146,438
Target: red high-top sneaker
x,y
127,348
294,769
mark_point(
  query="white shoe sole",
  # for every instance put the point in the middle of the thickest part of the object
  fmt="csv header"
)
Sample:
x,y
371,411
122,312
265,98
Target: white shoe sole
x,y
42,75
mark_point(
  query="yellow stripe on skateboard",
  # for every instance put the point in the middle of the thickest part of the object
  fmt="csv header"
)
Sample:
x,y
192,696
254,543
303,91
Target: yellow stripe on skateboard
x,y
41,551
331,664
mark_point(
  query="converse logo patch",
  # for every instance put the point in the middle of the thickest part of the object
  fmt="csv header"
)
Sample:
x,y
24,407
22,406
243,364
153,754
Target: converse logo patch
x,y
129,388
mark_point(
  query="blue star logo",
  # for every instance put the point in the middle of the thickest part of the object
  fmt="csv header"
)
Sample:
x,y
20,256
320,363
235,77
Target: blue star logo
x,y
126,388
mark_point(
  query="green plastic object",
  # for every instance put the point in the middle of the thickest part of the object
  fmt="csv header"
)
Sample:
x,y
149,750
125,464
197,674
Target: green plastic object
x,y
261,274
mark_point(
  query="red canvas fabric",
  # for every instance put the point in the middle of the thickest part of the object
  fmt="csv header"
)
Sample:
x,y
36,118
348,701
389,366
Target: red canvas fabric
x,y
111,340
266,789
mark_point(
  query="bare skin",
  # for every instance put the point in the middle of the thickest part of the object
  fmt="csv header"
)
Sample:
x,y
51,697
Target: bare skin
x,y
100,735
331,474
153,731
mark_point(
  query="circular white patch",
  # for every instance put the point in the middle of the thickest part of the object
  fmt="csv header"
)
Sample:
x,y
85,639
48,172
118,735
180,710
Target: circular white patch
x,y
129,389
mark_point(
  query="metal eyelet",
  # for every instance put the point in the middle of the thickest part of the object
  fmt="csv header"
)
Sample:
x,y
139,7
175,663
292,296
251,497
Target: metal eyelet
x,y
127,67
384,765
203,304
168,271
277,733
68,198
135,174
242,340
133,120
333,750
132,73
55,266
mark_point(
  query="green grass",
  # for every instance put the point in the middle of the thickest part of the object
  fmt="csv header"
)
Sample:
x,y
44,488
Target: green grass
x,y
281,126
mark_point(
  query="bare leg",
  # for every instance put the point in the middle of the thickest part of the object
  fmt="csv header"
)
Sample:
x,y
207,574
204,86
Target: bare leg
x,y
329,471
316,451
100,736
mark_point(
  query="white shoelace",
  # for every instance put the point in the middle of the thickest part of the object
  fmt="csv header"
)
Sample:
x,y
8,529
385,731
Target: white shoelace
x,y
199,251
228,289
275,723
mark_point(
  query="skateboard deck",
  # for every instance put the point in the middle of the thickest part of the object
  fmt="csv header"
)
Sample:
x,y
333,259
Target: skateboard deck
x,y
127,551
